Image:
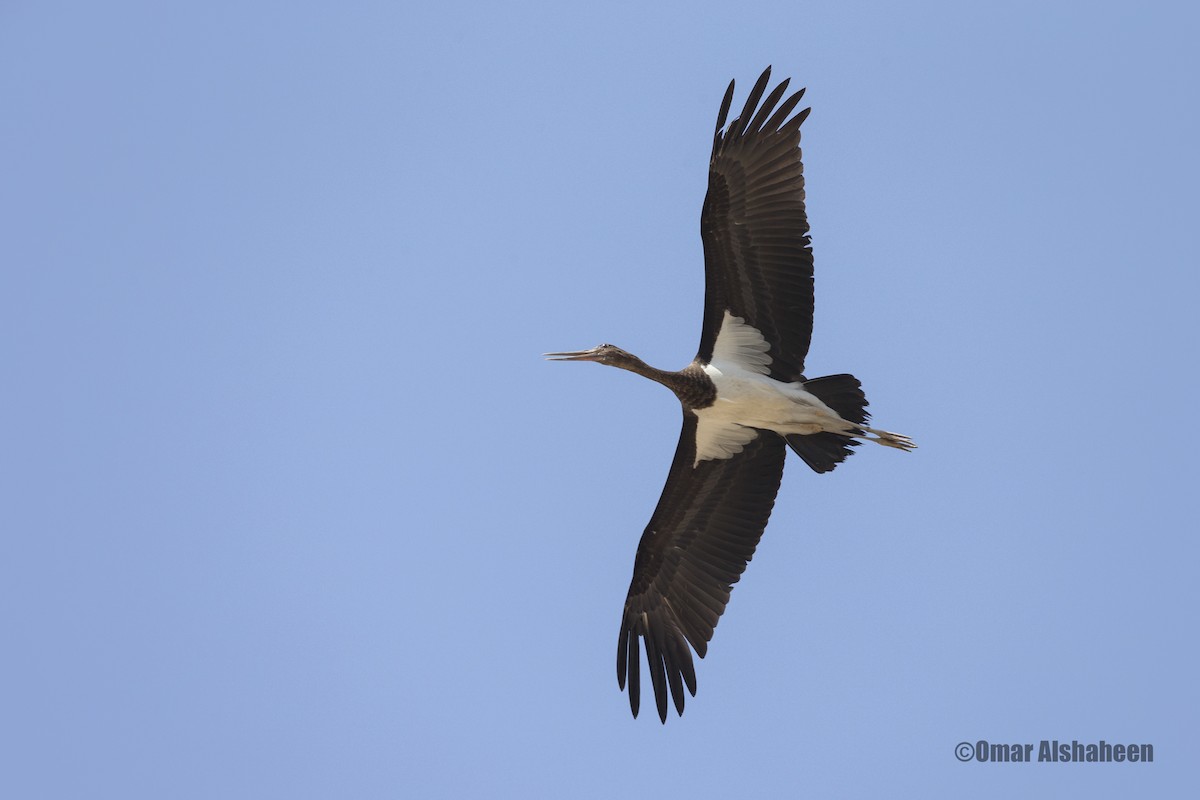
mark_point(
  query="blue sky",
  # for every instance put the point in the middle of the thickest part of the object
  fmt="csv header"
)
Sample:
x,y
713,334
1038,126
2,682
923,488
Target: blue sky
x,y
293,507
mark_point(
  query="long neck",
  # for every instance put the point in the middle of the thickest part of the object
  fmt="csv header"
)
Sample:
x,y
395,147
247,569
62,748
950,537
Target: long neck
x,y
691,385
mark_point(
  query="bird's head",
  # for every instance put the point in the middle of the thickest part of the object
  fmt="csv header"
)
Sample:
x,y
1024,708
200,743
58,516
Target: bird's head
x,y
602,354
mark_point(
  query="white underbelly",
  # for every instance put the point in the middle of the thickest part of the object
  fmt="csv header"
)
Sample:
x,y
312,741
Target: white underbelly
x,y
746,402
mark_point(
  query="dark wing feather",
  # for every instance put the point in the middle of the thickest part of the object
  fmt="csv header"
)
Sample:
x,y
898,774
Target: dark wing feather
x,y
757,260
704,531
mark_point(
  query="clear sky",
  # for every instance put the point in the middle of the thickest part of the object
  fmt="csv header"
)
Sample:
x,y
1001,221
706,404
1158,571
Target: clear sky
x,y
293,508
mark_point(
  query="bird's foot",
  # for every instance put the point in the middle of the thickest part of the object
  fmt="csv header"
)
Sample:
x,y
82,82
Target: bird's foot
x,y
889,439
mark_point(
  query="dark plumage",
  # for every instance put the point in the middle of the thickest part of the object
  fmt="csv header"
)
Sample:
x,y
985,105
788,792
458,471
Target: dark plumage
x,y
745,399
757,260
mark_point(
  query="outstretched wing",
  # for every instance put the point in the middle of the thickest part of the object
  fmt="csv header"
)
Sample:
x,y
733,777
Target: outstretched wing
x,y
704,531
757,260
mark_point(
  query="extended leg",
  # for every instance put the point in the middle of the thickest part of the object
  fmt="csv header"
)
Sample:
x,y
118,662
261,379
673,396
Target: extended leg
x,y
886,438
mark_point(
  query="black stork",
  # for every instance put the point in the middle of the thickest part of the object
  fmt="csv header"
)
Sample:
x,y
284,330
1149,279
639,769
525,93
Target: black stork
x,y
745,398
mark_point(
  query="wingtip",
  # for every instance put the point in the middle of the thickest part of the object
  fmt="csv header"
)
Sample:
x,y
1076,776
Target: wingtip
x,y
765,78
723,114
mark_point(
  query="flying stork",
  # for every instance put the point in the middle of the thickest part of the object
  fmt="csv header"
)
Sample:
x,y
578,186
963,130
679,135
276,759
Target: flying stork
x,y
745,398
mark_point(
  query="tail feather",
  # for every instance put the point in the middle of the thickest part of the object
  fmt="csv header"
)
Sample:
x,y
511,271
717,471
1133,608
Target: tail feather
x,y
824,451
821,451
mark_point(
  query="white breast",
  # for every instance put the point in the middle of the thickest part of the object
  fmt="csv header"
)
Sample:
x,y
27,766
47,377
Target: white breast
x,y
748,399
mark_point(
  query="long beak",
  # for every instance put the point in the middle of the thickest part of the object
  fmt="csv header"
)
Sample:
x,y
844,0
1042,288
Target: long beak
x,y
572,355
